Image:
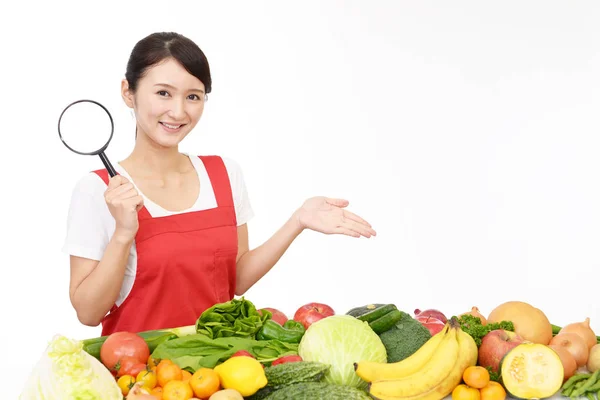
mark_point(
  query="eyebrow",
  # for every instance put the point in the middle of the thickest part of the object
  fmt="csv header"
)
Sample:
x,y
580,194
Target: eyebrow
x,y
173,87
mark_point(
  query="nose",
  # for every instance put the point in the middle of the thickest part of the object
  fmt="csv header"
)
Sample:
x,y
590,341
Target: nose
x,y
177,111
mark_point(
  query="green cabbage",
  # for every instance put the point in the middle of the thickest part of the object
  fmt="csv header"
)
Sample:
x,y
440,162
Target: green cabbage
x,y
66,371
341,341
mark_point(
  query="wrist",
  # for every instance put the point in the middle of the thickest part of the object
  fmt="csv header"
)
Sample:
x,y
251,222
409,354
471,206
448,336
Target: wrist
x,y
123,236
295,222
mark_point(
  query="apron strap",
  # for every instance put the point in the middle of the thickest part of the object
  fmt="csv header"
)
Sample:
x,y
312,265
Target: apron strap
x,y
217,172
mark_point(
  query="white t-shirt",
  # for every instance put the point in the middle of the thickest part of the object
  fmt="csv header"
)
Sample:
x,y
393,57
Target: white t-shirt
x,y
90,224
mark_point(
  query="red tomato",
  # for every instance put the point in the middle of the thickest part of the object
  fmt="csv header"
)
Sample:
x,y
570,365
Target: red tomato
x,y
242,353
123,344
129,366
286,359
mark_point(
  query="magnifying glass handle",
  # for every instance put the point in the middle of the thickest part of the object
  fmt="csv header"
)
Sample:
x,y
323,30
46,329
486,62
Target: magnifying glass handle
x,y
107,164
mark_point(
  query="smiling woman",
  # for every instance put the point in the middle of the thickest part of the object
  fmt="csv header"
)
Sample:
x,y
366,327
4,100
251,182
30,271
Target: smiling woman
x,y
166,238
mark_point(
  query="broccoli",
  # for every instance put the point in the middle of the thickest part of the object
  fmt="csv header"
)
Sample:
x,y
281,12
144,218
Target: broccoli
x,y
404,338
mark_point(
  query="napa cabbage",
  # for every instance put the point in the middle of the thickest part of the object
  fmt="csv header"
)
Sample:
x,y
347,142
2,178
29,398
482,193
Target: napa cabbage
x,y
66,371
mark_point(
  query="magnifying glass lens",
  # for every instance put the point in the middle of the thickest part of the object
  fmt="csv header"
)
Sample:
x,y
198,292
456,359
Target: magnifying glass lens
x,y
85,127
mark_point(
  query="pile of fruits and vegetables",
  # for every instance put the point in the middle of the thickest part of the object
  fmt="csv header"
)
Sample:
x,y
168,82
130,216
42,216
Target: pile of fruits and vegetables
x,y
235,351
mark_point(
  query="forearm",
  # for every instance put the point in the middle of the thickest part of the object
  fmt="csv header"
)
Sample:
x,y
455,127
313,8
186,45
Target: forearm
x,y
253,265
97,293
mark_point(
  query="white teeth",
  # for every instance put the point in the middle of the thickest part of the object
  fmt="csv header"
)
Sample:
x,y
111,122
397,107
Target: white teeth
x,y
171,126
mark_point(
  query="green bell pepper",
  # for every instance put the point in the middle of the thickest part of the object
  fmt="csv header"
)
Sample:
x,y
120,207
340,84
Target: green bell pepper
x,y
291,332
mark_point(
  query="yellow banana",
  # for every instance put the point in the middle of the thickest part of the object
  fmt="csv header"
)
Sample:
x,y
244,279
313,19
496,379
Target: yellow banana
x,y
370,371
430,375
467,357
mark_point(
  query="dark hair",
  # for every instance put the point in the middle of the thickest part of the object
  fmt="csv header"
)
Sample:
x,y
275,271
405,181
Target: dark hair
x,y
159,46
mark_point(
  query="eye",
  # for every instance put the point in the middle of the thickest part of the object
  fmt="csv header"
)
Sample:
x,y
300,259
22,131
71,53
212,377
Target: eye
x,y
194,97
162,93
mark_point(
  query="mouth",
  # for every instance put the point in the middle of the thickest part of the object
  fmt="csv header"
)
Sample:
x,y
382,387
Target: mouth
x,y
172,128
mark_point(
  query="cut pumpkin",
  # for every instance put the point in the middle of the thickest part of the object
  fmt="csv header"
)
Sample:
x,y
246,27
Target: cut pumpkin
x,y
530,323
532,371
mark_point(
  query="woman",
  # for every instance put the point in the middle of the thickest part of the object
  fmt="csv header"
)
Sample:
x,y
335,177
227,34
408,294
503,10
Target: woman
x,y
166,238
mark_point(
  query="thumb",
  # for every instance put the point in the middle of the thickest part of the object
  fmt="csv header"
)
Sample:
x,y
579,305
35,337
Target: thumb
x,y
337,202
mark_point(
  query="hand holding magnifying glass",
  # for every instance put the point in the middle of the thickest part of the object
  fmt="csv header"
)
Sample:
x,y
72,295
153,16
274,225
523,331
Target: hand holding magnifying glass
x,y
88,128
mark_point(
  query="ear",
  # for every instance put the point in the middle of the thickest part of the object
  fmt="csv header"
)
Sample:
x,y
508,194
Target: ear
x,y
126,93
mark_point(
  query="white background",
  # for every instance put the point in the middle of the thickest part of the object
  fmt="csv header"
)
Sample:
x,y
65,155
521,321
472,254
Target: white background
x,y
465,132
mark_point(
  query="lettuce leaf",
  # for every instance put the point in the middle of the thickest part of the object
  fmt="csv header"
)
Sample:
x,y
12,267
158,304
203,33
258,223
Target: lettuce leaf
x,y
235,318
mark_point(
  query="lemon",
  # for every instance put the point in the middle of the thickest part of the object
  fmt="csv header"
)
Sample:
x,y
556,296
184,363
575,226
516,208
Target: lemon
x,y
244,374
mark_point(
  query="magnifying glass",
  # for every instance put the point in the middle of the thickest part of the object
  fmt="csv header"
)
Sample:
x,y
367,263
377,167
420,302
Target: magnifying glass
x,y
87,129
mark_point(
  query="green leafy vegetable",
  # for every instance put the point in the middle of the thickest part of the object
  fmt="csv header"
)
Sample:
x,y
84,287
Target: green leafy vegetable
x,y
472,325
195,351
66,371
235,318
341,341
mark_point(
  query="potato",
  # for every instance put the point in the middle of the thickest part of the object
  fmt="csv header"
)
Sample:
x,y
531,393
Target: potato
x,y
226,394
593,363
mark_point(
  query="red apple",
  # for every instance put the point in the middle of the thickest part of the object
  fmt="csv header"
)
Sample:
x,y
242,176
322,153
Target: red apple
x,y
276,315
434,325
312,312
431,313
495,345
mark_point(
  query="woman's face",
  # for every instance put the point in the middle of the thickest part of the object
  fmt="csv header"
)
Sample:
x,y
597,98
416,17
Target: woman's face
x,y
168,103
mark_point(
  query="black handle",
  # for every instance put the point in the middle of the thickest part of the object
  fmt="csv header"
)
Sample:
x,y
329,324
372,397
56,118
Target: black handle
x,y
107,164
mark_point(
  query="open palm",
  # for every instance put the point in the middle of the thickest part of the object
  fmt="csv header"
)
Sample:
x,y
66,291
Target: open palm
x,y
326,215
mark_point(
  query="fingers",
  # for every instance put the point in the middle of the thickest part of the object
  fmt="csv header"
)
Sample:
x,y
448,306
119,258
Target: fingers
x,y
337,202
359,228
354,217
345,231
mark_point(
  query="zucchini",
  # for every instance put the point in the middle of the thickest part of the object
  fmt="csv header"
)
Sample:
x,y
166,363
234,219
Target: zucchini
x,y
386,322
282,375
318,391
531,371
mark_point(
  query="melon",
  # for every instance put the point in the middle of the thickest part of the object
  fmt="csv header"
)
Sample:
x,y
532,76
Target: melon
x,y
530,323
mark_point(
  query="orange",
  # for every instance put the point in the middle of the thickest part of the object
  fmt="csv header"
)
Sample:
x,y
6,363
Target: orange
x,y
157,392
162,363
205,382
476,377
167,373
464,392
177,390
493,391
186,375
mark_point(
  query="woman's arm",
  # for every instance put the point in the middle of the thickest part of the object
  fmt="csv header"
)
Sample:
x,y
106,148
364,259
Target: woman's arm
x,y
95,285
253,265
320,214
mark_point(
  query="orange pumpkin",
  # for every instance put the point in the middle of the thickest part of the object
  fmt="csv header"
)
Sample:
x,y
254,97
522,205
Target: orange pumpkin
x,y
530,323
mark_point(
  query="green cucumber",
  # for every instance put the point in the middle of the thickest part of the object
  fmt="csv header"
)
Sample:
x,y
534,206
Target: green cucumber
x,y
386,322
358,311
282,375
318,391
295,372
377,313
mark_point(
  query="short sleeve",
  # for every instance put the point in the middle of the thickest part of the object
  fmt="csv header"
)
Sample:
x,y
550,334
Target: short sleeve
x,y
88,219
241,199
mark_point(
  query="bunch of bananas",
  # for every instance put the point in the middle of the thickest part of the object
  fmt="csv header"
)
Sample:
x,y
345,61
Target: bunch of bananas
x,y
431,373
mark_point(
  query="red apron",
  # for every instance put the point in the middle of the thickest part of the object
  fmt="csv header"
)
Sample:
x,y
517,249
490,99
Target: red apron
x,y
186,262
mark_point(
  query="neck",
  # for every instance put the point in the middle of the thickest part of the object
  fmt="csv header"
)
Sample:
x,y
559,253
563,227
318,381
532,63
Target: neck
x,y
151,159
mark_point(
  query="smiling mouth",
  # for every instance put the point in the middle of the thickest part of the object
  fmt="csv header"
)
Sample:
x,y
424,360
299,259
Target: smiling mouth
x,y
172,127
